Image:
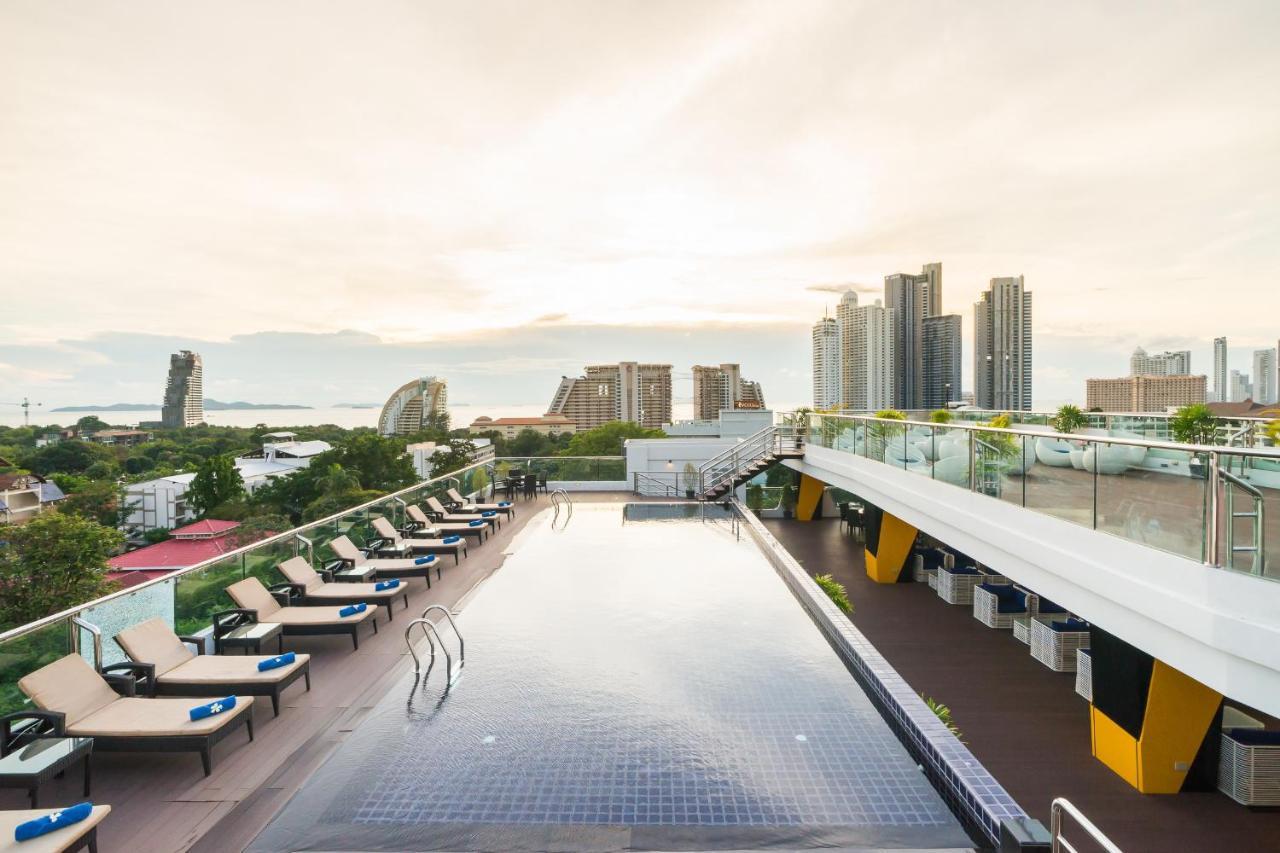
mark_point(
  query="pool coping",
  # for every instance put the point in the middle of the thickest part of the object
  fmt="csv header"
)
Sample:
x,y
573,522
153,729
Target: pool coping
x,y
973,794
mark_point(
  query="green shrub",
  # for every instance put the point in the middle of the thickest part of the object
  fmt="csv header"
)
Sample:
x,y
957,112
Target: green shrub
x,y
835,591
943,713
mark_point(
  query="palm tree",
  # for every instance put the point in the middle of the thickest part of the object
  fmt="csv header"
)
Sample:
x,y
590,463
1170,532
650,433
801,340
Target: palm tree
x,y
337,480
1069,419
1194,424
940,416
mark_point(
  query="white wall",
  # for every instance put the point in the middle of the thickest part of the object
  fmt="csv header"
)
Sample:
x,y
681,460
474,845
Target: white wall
x,y
1220,627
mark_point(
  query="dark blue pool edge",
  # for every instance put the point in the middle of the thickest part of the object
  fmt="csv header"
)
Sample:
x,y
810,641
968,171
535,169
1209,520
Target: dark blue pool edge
x,y
980,802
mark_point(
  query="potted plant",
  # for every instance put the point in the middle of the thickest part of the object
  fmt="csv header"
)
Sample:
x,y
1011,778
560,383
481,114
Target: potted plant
x,y
1069,419
940,416
755,497
690,480
1194,424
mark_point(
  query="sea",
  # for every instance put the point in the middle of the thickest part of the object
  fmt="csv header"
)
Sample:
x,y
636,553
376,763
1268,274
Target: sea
x,y
460,414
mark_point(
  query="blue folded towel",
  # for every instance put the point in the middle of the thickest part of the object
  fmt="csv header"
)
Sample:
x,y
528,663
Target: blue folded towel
x,y
422,561
475,523
217,706
504,503
276,662
452,540
353,609
489,513
384,585
54,820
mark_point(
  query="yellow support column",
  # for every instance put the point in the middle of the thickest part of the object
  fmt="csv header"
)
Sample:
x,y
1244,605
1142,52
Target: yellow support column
x,y
809,497
889,541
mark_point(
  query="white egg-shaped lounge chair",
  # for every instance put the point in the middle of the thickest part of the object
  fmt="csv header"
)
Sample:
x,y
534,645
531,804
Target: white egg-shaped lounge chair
x,y
1053,452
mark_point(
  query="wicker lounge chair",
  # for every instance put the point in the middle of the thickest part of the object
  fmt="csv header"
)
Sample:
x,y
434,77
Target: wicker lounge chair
x,y
168,667
461,504
312,589
418,542
75,700
423,523
74,836
258,604
1054,643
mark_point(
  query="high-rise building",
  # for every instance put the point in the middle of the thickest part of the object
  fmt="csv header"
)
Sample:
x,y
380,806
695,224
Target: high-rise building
x,y
414,406
826,364
1002,346
942,355
1264,376
1221,388
1172,363
627,391
866,355
1240,388
716,388
184,391
909,299
1144,393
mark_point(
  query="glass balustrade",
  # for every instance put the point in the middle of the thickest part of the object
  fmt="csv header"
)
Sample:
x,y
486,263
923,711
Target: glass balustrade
x,y
1138,487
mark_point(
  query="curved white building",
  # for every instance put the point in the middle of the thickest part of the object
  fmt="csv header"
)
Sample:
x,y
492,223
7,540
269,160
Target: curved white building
x,y
410,407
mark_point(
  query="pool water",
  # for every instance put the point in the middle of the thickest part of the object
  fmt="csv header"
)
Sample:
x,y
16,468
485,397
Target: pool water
x,y
629,684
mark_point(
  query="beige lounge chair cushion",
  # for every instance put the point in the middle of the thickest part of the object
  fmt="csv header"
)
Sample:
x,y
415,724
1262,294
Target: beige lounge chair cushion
x,y
385,530
435,542
416,513
347,550
298,570
355,590
69,686
164,717
154,642
51,842
319,616
229,669
438,507
250,594
455,495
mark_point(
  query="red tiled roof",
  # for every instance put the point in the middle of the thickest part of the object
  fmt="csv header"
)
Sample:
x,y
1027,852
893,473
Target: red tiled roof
x,y
173,554
208,527
133,578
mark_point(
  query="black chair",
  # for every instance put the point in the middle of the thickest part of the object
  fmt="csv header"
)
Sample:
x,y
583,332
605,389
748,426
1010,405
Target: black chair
x,y
541,485
530,485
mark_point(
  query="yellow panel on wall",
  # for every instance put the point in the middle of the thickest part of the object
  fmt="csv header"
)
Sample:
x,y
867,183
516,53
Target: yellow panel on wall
x,y
1179,712
1113,746
809,498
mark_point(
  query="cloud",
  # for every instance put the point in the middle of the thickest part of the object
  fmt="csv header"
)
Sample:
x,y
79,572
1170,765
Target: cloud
x,y
844,287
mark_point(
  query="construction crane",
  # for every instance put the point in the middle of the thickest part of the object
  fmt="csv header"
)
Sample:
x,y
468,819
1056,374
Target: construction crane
x,y
25,405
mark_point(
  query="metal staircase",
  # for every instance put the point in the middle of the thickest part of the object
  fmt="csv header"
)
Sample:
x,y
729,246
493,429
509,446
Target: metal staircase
x,y
724,472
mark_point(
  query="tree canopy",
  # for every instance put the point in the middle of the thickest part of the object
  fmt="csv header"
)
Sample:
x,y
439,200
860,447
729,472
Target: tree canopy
x,y
606,439
53,562
217,482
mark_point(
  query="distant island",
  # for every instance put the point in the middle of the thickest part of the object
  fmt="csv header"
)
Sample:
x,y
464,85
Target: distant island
x,y
209,405
356,406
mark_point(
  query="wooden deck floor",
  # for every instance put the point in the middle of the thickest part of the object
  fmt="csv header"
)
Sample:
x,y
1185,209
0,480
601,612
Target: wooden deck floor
x,y
161,802
1023,721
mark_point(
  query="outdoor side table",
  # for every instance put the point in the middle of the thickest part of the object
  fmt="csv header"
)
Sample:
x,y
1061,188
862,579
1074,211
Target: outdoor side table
x,y
41,760
250,637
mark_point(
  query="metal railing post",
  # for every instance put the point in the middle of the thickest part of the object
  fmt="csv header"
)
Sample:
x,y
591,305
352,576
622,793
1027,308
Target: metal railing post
x,y
1211,534
1097,464
973,461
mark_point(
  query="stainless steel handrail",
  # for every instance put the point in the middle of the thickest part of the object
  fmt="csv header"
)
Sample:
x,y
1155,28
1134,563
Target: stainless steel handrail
x,y
1259,514
558,495
462,646
1059,843
77,624
429,628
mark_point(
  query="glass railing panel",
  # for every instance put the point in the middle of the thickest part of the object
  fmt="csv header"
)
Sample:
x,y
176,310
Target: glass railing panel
x,y
611,468
1244,533
999,463
198,595
1057,484
321,535
113,616
916,449
23,655
1161,508
949,449
355,526
261,562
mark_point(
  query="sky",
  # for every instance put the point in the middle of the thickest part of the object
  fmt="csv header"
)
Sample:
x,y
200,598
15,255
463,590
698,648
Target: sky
x,y
325,199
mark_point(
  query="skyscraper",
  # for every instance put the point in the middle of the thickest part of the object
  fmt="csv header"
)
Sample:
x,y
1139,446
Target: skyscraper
x,y
826,364
1221,387
716,388
1264,376
866,355
1002,346
184,391
909,300
1239,387
627,391
942,354
413,406
1172,363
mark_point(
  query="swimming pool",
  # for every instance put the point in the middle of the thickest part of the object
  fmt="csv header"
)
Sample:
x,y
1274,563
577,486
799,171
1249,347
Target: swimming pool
x,y
632,682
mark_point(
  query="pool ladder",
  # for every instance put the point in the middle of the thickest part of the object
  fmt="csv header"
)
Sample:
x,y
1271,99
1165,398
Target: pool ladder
x,y
430,628
1058,842
560,497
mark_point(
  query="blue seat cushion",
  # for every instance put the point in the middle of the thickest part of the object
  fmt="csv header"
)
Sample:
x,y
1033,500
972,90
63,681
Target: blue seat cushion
x,y
1255,737
962,570
1070,625
1047,607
